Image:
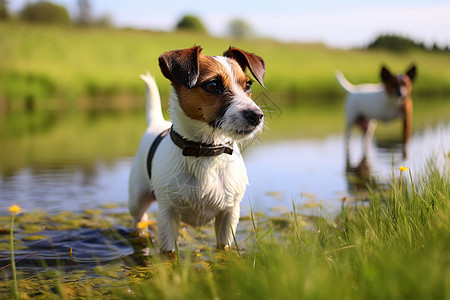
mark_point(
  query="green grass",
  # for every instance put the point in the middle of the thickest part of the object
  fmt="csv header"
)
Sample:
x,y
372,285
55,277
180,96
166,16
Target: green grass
x,y
67,68
395,247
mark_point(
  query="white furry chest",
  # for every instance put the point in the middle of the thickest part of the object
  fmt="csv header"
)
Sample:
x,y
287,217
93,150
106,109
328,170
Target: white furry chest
x,y
198,187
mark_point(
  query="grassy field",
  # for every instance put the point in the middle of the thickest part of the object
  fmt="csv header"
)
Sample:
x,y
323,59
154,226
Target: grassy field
x,y
395,247
66,68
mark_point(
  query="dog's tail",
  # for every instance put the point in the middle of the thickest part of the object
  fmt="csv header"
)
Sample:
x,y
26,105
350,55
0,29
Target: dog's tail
x,y
152,100
344,82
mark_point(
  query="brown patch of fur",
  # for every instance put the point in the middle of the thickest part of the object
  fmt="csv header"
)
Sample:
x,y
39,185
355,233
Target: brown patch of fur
x,y
406,81
201,105
389,87
362,122
407,121
399,82
395,82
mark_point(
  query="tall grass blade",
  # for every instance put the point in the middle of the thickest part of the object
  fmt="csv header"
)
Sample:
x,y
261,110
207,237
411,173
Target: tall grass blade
x,y
13,262
235,241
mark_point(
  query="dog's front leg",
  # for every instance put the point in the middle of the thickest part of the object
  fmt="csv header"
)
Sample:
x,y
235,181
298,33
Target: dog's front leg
x,y
168,223
225,225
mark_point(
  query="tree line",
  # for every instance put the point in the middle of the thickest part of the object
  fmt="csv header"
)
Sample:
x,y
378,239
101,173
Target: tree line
x,y
397,43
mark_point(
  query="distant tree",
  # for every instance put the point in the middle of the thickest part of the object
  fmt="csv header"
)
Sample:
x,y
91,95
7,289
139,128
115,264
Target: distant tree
x,y
435,47
191,23
45,12
395,43
4,12
239,28
85,16
103,21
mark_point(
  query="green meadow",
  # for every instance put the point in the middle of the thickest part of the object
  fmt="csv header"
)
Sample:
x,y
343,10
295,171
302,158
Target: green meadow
x,y
67,68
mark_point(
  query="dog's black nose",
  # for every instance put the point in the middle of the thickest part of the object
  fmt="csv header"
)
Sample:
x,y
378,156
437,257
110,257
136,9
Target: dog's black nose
x,y
254,117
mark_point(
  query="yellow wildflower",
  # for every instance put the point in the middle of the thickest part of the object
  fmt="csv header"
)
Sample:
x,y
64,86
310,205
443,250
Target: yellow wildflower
x,y
145,224
15,209
403,169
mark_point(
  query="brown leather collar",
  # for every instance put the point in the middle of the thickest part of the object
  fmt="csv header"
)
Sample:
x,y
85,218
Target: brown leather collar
x,y
199,149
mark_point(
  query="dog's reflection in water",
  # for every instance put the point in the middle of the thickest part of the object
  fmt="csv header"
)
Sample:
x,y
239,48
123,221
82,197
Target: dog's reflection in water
x,y
360,179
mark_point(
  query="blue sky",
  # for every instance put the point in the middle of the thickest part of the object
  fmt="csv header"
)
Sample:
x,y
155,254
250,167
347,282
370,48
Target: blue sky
x,y
345,23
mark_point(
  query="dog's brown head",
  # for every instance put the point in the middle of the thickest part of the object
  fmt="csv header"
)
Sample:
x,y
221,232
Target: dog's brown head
x,y
398,85
215,89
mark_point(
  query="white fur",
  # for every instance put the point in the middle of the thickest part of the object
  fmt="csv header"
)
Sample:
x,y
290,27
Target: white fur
x,y
191,189
371,101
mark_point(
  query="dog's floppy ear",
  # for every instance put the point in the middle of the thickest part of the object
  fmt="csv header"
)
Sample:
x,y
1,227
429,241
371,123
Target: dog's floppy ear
x,y
386,75
411,72
181,66
252,61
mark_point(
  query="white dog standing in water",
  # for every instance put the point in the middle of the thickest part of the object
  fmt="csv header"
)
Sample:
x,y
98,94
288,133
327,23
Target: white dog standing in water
x,y
386,101
193,167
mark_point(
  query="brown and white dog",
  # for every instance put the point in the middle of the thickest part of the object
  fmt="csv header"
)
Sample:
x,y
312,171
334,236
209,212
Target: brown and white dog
x,y
197,173
386,101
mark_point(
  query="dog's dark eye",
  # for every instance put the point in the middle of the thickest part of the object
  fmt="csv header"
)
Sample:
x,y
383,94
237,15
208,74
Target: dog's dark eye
x,y
248,86
213,86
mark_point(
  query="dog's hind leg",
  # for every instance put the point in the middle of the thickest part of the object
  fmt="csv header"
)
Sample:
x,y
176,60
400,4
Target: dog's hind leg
x,y
351,120
138,206
348,129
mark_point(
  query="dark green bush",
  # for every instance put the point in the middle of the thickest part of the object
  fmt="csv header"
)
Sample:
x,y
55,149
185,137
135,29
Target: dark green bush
x,y
395,43
191,23
4,12
45,12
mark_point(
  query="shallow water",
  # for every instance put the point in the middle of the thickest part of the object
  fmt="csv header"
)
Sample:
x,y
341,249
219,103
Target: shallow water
x,y
315,171
83,224
307,171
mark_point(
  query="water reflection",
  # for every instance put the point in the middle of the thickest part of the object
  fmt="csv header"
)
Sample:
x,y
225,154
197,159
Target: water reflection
x,y
359,176
74,188
78,162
